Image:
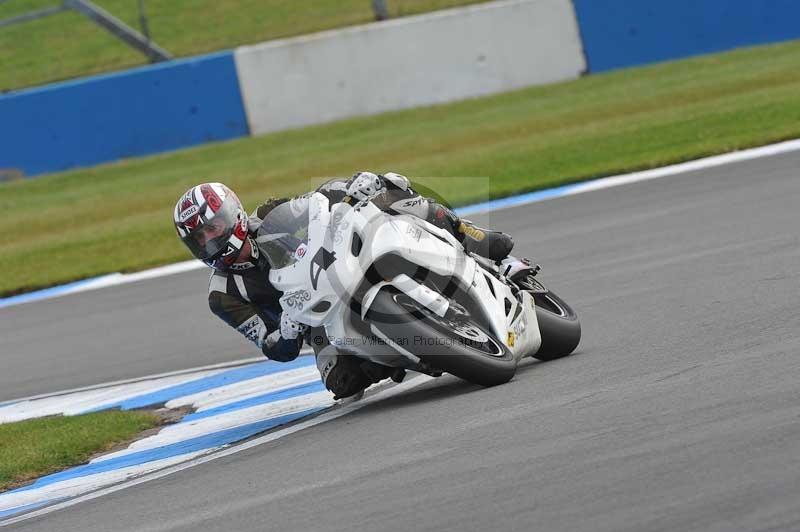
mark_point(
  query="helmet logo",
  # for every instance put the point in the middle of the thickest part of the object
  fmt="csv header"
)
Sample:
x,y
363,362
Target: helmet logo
x,y
211,197
188,213
229,250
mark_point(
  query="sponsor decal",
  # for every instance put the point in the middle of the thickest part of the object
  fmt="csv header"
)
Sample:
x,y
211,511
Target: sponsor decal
x,y
188,213
326,369
415,232
338,235
338,227
517,330
296,299
301,251
252,329
229,249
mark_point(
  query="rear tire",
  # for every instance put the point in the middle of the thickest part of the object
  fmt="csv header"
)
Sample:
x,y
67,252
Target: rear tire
x,y
558,323
462,348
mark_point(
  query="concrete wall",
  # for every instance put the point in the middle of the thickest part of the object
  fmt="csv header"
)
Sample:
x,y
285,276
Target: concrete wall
x,y
623,33
104,118
408,62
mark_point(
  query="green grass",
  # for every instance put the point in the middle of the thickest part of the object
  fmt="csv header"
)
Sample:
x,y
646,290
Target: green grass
x,y
36,447
118,217
68,45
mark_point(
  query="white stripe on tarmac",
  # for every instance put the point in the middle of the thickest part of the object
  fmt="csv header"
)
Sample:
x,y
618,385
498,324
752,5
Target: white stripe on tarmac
x,y
246,389
219,365
80,485
116,279
72,404
384,393
229,420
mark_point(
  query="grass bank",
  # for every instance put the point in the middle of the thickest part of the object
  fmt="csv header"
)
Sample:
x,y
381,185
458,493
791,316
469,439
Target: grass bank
x,y
118,217
68,45
36,447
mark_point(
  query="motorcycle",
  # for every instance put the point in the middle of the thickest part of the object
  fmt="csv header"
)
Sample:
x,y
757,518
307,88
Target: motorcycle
x,y
401,292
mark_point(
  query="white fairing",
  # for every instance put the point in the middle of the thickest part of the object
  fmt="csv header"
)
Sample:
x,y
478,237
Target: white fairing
x,y
329,267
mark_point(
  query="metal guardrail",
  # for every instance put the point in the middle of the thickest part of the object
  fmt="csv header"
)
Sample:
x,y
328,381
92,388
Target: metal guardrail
x,y
105,20
119,29
140,41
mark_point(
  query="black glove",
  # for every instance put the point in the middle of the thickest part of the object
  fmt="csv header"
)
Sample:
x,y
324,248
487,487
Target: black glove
x,y
284,350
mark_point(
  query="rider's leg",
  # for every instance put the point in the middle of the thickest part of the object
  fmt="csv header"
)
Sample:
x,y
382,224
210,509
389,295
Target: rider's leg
x,y
493,245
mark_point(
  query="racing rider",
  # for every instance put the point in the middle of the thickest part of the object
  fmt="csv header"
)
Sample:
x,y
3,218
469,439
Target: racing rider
x,y
212,223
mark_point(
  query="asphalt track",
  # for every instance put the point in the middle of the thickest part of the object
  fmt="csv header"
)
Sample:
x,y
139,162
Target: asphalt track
x,y
680,410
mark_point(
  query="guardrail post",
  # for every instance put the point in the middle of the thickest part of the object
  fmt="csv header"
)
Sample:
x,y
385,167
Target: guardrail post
x,y
381,10
119,29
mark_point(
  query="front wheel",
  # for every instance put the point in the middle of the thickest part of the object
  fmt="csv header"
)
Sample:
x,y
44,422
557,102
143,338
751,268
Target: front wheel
x,y
458,346
558,323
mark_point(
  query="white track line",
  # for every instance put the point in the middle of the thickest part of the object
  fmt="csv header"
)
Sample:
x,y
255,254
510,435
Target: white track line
x,y
625,179
690,166
220,365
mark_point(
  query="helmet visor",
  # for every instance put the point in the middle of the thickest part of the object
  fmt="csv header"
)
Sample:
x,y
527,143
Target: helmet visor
x,y
210,239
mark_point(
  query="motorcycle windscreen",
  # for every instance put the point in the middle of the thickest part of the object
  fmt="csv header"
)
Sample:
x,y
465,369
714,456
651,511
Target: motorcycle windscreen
x,y
284,232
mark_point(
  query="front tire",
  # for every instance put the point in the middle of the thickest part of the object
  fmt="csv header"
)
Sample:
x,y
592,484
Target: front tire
x,y
558,323
468,351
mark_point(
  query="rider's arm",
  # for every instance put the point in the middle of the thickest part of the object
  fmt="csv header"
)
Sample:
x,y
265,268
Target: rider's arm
x,y
363,185
393,193
251,321
398,197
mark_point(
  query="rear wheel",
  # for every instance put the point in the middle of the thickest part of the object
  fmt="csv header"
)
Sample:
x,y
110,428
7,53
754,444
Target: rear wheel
x,y
457,345
558,323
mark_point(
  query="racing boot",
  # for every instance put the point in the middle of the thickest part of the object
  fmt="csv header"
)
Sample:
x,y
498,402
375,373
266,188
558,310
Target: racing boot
x,y
493,245
347,375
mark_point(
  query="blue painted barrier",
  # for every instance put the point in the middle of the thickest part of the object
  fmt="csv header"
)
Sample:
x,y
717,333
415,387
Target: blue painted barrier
x,y
127,114
623,33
